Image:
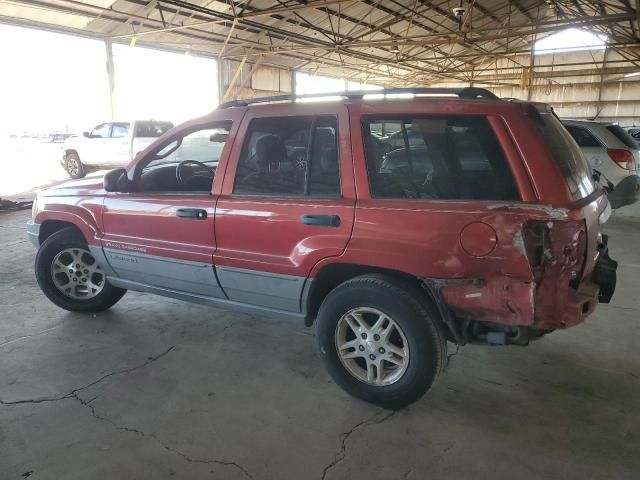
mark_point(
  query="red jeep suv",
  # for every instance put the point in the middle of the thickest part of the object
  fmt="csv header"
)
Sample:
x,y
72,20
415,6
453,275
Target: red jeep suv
x,y
394,225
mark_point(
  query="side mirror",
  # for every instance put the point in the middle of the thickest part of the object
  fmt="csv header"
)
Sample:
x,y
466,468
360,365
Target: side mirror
x,y
86,134
116,181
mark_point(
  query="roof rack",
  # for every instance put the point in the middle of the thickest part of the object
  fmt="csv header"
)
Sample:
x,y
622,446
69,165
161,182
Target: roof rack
x,y
466,93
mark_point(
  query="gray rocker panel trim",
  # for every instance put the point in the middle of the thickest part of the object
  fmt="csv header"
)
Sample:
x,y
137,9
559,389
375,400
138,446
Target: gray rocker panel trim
x,y
178,275
204,300
271,290
98,254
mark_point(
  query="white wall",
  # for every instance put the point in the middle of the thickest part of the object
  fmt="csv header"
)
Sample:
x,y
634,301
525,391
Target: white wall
x,y
581,91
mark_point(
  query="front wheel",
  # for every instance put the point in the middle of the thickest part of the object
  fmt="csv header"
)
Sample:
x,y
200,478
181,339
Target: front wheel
x,y
75,168
381,340
70,276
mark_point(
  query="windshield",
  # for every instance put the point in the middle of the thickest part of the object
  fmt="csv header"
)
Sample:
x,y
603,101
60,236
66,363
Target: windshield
x,y
567,155
623,136
204,146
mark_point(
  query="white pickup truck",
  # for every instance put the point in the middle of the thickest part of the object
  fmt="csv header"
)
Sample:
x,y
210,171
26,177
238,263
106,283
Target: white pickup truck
x,y
109,145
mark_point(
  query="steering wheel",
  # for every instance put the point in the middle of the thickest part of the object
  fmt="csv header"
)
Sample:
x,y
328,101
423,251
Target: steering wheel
x,y
201,172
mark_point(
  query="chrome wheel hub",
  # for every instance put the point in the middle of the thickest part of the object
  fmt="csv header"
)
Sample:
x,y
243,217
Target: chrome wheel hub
x,y
76,274
371,346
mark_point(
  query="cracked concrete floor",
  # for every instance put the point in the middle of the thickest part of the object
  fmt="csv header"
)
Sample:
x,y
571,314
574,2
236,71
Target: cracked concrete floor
x,y
157,388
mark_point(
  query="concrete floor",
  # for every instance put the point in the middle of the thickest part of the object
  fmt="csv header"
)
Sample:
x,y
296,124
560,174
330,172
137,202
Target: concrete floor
x,y
157,389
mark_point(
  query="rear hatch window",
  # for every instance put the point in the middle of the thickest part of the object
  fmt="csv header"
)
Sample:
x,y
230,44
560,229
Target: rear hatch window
x,y
567,155
151,129
623,136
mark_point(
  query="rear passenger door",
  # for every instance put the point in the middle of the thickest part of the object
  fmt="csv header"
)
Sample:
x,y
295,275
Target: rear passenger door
x,y
288,201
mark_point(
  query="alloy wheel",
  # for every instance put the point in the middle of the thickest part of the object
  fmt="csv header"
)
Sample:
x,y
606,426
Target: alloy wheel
x,y
76,274
372,346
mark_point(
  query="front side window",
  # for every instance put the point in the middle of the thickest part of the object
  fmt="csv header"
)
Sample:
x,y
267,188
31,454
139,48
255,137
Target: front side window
x,y
289,156
186,164
442,157
101,131
119,130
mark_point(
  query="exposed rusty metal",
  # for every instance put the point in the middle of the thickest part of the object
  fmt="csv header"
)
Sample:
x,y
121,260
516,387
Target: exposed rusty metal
x,y
546,209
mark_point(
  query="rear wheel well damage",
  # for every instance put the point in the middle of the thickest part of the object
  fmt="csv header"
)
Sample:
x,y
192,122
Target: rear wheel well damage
x,y
333,275
49,227
460,329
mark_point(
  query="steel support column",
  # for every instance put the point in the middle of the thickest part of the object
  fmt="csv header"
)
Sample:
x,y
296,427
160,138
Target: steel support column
x,y
112,81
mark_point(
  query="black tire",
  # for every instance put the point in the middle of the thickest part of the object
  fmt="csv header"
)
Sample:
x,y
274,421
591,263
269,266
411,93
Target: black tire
x,y
75,168
52,246
411,311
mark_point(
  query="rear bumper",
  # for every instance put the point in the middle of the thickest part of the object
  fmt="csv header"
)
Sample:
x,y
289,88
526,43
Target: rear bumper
x,y
626,192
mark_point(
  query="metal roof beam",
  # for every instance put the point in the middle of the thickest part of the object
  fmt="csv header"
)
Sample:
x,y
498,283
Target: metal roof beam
x,y
292,8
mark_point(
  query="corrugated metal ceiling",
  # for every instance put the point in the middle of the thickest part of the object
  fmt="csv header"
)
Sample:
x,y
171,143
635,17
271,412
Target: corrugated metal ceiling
x,y
395,42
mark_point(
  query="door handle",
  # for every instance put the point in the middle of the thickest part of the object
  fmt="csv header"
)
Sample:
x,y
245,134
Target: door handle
x,y
321,220
192,213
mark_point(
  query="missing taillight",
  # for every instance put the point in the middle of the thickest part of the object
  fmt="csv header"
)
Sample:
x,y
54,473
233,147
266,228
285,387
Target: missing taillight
x,y
536,238
554,245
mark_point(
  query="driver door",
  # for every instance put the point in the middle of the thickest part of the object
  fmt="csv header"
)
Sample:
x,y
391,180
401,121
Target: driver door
x,y
161,235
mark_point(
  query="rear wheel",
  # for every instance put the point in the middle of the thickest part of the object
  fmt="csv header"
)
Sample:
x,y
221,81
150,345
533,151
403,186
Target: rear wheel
x,y
381,340
75,168
69,275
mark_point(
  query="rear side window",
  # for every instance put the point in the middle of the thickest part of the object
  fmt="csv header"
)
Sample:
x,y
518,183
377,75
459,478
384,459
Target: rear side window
x,y
119,130
567,155
290,156
582,137
151,129
444,157
623,136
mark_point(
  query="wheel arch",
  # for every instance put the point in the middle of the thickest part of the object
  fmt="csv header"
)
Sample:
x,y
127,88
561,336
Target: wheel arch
x,y
54,220
49,227
334,274
67,151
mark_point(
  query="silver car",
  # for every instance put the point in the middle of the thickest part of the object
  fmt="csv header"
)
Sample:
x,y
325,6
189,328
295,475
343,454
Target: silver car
x,y
610,150
635,134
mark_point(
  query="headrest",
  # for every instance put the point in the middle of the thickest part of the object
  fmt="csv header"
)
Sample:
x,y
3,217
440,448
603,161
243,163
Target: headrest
x,y
270,153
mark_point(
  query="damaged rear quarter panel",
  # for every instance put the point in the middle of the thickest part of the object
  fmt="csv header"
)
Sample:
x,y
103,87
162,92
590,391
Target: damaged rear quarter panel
x,y
423,238
557,295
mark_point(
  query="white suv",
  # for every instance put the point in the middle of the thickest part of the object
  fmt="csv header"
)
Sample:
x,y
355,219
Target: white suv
x,y
611,151
108,145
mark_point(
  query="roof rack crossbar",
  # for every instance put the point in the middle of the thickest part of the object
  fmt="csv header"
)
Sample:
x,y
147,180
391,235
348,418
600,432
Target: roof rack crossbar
x,y
467,93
